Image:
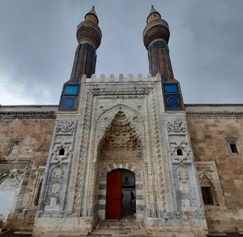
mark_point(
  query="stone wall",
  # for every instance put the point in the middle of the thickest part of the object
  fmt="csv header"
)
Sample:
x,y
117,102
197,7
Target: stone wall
x,y
212,129
25,136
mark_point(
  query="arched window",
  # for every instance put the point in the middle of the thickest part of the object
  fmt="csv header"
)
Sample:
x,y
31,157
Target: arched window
x,y
233,145
61,152
179,152
208,191
233,148
207,195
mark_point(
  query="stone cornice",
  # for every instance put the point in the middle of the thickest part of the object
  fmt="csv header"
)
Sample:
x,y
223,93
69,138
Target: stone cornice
x,y
27,115
213,105
225,114
230,111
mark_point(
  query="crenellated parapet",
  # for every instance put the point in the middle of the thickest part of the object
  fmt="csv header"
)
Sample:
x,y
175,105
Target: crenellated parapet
x,y
121,78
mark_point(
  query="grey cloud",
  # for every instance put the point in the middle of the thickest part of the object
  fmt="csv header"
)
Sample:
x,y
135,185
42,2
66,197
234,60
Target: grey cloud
x,y
37,45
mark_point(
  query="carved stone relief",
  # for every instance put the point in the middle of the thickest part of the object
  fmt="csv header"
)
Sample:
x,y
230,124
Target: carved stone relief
x,y
57,176
56,157
105,117
11,178
183,180
65,127
60,157
183,145
11,181
137,107
208,176
53,199
176,127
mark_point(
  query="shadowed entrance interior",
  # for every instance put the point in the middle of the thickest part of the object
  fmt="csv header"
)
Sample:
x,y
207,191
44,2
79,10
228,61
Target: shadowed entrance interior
x,y
121,149
121,194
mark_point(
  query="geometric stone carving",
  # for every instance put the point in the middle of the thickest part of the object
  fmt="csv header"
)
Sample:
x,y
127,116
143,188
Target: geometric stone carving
x,y
176,127
65,127
54,192
120,134
11,178
185,183
183,178
55,157
114,134
186,151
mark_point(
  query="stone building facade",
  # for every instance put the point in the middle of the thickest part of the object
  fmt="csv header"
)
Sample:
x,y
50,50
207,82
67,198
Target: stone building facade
x,y
124,148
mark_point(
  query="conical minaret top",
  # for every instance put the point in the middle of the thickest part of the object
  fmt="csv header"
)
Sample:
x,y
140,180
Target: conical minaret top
x,y
156,36
89,38
91,14
89,30
156,28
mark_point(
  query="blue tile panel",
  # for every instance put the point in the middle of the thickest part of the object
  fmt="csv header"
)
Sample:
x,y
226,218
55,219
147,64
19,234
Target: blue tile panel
x,y
71,90
171,88
68,103
172,96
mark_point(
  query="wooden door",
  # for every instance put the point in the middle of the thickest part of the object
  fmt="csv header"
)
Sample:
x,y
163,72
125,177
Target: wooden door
x,y
114,195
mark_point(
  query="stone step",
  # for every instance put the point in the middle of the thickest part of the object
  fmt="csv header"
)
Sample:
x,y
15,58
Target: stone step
x,y
119,225
119,228
117,235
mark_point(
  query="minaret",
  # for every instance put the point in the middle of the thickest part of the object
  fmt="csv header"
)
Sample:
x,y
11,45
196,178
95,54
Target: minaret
x,y
89,37
156,36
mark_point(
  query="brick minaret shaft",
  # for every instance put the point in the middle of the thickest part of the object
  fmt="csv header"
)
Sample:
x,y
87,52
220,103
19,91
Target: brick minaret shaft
x,y
156,36
89,37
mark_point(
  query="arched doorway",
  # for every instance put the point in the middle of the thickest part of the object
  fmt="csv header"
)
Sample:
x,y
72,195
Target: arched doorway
x,y
119,159
121,194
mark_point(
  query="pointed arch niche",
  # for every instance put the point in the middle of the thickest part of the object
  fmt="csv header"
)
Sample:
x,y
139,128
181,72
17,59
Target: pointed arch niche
x,y
119,148
209,194
120,141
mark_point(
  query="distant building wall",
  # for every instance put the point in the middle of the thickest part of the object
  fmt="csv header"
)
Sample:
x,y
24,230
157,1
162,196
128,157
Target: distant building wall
x,y
25,136
212,129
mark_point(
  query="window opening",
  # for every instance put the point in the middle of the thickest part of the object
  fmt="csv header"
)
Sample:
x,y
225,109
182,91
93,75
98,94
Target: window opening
x,y
207,195
61,152
233,148
179,152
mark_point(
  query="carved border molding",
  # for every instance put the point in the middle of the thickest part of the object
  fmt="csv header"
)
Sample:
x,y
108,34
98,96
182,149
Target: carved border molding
x,y
65,127
213,115
27,115
208,169
176,127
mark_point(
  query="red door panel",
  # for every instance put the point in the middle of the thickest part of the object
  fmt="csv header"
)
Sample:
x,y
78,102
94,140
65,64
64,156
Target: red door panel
x,y
114,195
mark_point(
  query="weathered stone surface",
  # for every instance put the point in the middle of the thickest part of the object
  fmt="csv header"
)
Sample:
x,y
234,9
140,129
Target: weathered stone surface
x,y
24,144
26,138
211,129
120,126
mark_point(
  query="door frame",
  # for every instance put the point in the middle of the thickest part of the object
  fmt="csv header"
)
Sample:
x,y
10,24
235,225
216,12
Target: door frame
x,y
138,170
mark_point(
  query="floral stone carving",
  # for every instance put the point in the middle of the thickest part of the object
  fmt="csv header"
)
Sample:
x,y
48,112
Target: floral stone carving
x,y
65,127
176,126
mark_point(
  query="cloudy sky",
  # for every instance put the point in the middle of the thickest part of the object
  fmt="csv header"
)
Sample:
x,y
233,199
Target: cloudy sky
x,y
37,45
